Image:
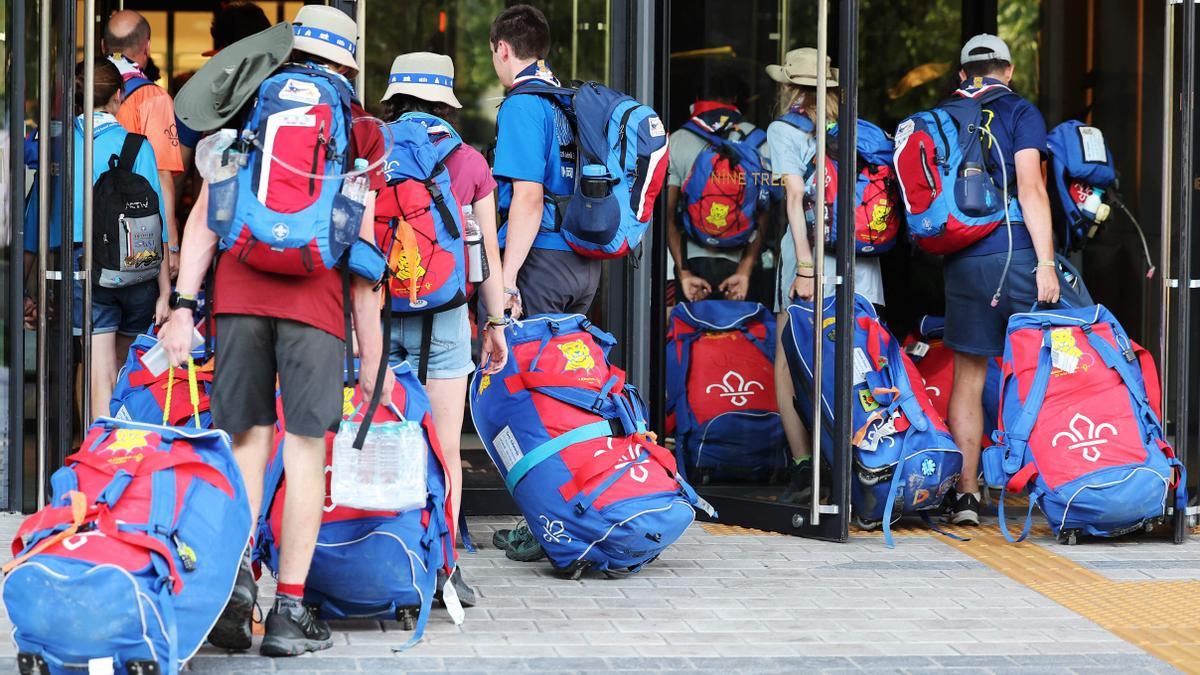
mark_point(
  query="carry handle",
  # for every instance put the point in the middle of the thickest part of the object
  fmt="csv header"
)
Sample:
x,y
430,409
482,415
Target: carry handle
x,y
1062,302
193,394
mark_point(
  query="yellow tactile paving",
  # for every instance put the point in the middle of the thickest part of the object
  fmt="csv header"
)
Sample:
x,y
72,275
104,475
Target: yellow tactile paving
x,y
719,530
1161,617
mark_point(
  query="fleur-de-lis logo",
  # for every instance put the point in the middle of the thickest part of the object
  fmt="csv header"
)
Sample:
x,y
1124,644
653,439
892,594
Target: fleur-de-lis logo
x,y
736,388
632,455
554,531
1085,435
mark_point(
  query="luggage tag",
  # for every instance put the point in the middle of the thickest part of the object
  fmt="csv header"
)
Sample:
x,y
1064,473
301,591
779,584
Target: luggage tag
x,y
453,604
917,349
862,366
101,666
1064,353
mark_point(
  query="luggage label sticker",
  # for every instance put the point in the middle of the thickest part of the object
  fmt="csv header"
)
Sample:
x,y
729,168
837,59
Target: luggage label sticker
x,y
508,448
300,92
1091,141
1064,353
862,366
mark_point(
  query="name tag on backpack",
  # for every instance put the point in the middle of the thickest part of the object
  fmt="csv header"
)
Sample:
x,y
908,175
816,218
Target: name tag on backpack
x,y
508,448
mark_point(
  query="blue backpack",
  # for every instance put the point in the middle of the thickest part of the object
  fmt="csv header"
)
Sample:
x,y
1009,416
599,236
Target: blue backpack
x,y
1080,426
569,437
942,163
371,564
877,217
142,396
1080,164
724,190
621,150
721,390
905,461
297,150
134,557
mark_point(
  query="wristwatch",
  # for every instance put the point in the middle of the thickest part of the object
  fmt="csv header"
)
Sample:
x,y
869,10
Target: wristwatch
x,y
185,301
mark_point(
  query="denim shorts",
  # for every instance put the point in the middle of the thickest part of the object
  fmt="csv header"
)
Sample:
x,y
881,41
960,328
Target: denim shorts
x,y
128,311
973,326
449,346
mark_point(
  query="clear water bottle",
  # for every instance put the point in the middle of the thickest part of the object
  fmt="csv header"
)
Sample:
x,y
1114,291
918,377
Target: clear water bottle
x,y
1093,206
216,159
350,203
477,266
387,474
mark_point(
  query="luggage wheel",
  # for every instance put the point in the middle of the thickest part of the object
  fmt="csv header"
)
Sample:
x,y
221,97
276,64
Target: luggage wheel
x,y
573,571
407,616
143,668
32,664
1069,538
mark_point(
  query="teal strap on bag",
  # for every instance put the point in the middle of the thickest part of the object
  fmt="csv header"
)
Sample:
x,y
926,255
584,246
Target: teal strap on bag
x,y
554,446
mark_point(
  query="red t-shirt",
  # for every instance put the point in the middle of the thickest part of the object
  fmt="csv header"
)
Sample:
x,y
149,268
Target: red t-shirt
x,y
470,176
315,300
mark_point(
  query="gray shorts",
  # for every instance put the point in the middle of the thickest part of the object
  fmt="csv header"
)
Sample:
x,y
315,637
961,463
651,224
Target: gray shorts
x,y
557,282
252,351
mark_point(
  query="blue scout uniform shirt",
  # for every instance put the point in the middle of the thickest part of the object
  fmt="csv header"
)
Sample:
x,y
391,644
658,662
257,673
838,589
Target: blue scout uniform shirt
x,y
1017,125
108,137
534,142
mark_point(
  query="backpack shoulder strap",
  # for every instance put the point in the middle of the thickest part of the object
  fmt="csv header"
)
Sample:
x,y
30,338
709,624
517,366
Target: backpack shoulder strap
x,y
129,151
135,83
801,122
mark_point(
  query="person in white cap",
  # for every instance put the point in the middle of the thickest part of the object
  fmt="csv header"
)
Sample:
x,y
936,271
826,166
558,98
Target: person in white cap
x,y
975,328
793,153
288,329
422,82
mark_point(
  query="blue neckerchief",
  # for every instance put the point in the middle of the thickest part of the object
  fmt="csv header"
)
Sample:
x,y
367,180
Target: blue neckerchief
x,y
977,85
537,71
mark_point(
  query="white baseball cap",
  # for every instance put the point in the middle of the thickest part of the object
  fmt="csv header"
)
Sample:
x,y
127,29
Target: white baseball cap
x,y
326,32
423,75
990,47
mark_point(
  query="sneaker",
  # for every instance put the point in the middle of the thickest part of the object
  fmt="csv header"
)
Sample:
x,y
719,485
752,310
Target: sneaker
x,y
966,509
232,630
518,544
466,594
293,629
799,487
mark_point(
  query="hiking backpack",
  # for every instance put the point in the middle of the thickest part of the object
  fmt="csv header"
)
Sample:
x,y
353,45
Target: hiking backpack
x,y
721,390
130,564
935,362
141,396
724,190
942,163
628,141
128,227
1080,426
905,461
569,437
370,564
296,150
877,217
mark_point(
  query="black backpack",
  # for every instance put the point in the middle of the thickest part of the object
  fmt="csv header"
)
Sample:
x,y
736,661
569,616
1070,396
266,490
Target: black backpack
x,y
127,226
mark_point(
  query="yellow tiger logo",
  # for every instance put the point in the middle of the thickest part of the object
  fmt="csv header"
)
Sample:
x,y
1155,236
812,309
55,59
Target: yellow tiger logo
x,y
577,355
401,266
880,215
718,216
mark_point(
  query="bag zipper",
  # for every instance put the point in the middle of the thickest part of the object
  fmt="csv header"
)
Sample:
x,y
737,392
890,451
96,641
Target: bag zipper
x,y
312,181
945,142
925,168
621,135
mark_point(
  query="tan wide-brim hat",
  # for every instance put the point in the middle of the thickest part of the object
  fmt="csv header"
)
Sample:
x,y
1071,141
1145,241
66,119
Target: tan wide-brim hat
x,y
327,32
423,75
800,67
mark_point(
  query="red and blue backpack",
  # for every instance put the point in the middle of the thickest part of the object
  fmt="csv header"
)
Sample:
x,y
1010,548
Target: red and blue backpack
x,y
877,217
569,436
135,555
1080,426
141,396
721,390
905,461
728,184
943,162
628,141
371,564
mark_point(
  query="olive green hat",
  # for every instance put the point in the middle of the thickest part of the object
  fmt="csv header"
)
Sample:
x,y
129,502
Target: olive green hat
x,y
231,78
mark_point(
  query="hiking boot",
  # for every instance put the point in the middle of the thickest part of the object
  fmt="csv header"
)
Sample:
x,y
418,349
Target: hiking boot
x,y
966,509
294,629
799,487
518,544
466,594
232,630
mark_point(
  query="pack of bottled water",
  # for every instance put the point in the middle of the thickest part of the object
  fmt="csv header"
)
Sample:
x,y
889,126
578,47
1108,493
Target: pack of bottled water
x,y
388,474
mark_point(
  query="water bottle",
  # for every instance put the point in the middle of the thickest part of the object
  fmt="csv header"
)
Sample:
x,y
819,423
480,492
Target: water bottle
x,y
387,474
477,266
216,158
974,196
595,181
1093,206
350,203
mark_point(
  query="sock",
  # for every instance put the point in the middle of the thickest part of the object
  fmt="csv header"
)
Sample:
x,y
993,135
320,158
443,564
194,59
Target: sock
x,y
293,590
800,460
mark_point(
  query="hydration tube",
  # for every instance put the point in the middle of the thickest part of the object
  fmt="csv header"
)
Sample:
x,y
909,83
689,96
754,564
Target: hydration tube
x,y
1115,197
1007,221
388,144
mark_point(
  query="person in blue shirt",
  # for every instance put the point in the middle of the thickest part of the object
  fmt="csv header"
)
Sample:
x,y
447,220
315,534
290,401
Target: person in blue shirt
x,y
118,314
975,327
534,167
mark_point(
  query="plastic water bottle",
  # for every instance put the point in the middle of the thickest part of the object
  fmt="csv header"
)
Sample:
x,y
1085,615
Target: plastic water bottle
x,y
349,205
356,187
216,160
477,266
1093,206
387,474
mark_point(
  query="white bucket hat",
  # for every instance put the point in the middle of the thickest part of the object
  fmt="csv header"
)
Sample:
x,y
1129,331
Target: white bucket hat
x,y
423,75
800,67
328,33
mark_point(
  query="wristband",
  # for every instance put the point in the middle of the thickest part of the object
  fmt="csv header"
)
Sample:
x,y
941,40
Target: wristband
x,y
516,293
1047,263
804,265
173,249
804,276
497,320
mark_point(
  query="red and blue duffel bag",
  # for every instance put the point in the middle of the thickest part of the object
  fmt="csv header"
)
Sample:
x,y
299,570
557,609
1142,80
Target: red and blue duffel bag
x,y
935,362
905,460
1080,426
721,388
133,559
371,564
142,396
569,436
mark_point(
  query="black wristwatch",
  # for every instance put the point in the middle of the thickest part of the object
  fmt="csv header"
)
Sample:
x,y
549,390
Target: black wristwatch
x,y
176,301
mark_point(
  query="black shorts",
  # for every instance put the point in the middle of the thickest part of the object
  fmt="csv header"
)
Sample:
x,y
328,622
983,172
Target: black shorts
x,y
252,351
557,282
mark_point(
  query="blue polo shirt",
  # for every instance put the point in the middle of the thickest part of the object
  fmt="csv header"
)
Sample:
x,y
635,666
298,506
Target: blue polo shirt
x,y
534,142
1017,125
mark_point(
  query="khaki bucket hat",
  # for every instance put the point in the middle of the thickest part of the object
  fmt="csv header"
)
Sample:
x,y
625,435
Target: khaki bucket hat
x,y
231,78
423,75
800,67
327,32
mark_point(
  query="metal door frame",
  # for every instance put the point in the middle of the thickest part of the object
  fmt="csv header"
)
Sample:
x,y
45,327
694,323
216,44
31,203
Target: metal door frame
x,y
16,279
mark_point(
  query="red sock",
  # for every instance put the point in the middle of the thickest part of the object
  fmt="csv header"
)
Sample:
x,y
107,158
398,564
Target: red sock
x,y
294,590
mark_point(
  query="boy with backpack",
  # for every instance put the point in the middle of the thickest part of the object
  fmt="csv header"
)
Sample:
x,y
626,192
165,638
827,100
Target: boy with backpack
x,y
535,167
716,180
280,308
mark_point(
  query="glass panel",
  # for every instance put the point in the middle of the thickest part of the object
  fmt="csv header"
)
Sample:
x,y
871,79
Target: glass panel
x,y
7,146
1019,22
192,39
158,48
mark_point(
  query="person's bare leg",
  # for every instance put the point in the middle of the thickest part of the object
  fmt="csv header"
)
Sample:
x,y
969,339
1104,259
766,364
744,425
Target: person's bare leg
x,y
251,450
304,464
448,399
966,420
104,372
797,435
